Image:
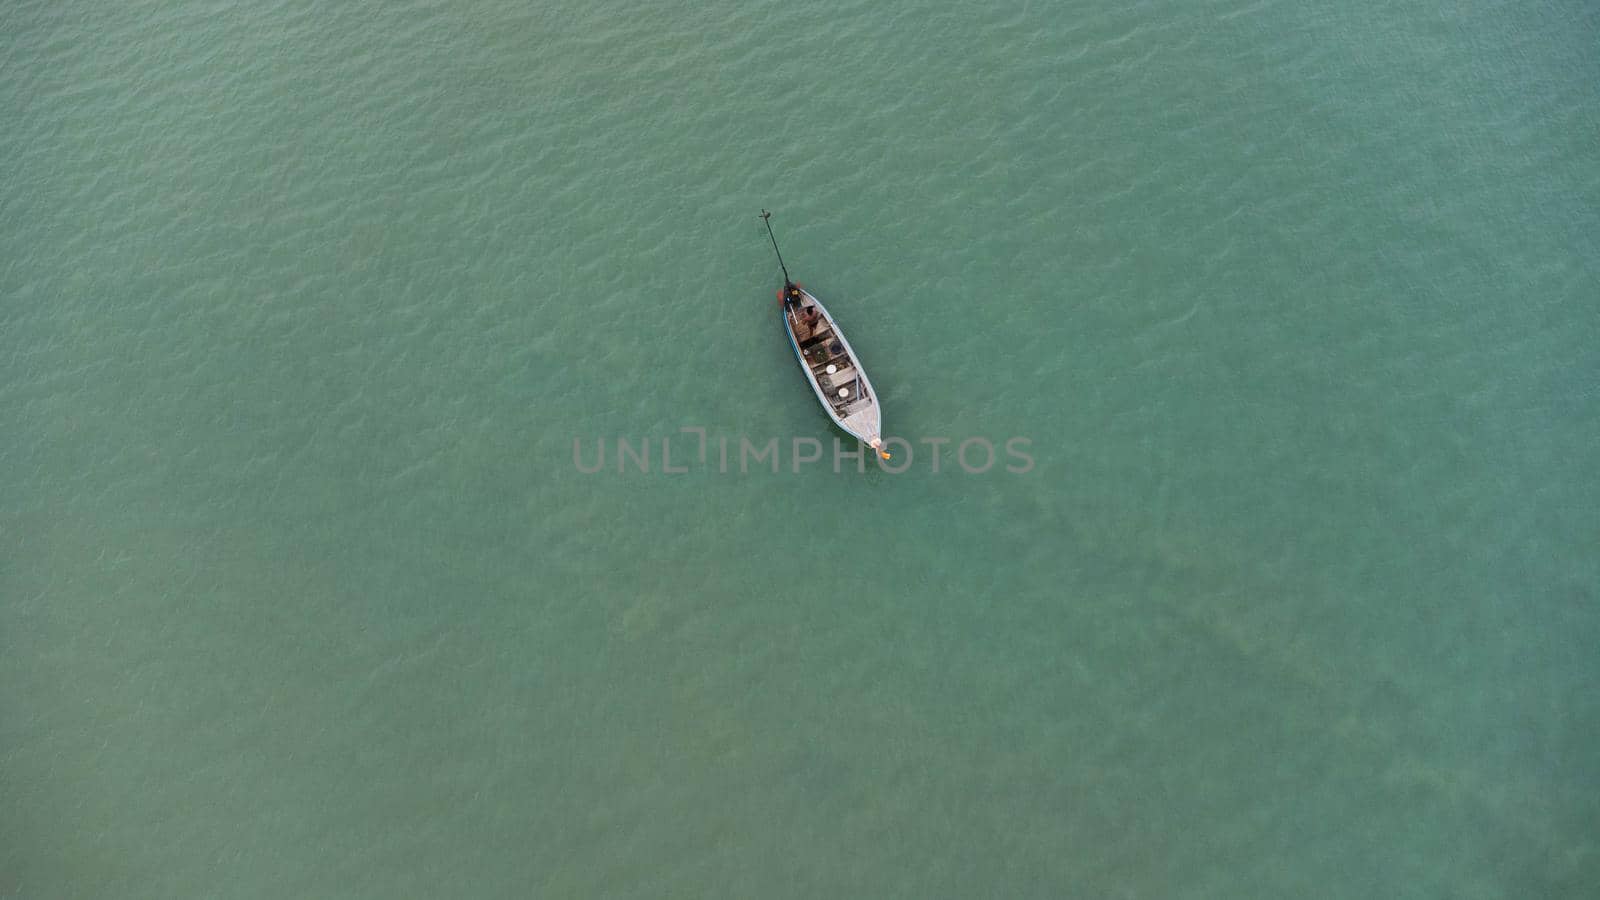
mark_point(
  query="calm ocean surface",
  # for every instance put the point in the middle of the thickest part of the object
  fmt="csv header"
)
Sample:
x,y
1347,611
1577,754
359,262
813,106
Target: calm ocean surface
x,y
302,306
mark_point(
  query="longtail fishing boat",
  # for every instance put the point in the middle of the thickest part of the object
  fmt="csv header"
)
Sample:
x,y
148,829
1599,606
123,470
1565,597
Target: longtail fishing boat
x,y
830,366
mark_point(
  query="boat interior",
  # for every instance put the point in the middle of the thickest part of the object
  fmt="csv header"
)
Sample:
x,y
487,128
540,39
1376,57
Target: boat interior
x,y
826,357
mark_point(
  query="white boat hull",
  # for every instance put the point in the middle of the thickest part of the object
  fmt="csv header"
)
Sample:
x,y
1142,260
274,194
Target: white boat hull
x,y
818,346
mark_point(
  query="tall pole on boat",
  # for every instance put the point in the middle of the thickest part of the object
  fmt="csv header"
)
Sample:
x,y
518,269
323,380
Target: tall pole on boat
x,y
767,218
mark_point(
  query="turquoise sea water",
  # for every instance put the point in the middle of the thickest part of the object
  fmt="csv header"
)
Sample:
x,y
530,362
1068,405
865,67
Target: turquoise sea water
x,y
302,307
